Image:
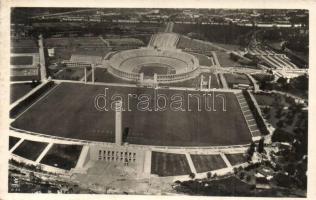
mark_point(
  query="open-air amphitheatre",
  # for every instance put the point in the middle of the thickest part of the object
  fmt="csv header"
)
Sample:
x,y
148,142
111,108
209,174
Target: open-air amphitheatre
x,y
63,116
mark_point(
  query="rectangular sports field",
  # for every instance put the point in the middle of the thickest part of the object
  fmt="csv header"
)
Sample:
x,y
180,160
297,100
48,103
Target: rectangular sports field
x,y
204,163
169,164
30,149
21,60
62,156
236,159
69,111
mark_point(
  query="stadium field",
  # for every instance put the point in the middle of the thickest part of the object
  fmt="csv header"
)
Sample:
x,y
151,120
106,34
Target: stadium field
x,y
69,111
62,156
21,60
156,69
204,163
169,164
236,159
30,149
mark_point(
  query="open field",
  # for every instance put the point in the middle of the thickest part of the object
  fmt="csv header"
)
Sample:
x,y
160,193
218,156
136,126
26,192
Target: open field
x,y
21,60
65,52
236,79
62,156
203,60
70,74
24,78
225,60
24,46
195,82
236,159
126,42
13,141
65,47
30,149
188,43
18,90
204,163
150,70
169,164
232,35
75,116
73,41
102,75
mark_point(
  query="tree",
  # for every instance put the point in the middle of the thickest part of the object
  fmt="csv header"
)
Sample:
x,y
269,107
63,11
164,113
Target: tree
x,y
261,145
192,175
209,175
250,151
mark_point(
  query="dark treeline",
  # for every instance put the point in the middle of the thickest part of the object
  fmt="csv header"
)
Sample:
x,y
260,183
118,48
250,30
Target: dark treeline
x,y
227,34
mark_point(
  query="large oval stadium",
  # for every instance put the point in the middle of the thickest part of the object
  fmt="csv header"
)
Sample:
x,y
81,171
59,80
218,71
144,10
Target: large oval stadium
x,y
168,65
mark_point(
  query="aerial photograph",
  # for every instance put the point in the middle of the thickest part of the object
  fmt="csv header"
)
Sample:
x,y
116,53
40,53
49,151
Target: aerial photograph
x,y
159,101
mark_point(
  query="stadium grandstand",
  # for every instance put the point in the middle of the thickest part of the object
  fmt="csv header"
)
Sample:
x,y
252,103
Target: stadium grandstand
x,y
173,62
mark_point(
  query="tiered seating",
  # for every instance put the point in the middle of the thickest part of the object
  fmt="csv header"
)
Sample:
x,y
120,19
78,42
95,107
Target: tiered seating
x,y
86,59
129,59
165,40
250,119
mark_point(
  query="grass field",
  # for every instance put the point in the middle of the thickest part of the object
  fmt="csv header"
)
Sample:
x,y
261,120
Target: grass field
x,y
204,163
24,78
13,141
102,75
189,43
203,60
30,149
236,79
24,46
155,69
225,60
18,90
236,159
169,164
65,52
126,42
69,111
62,156
21,60
195,82
70,74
